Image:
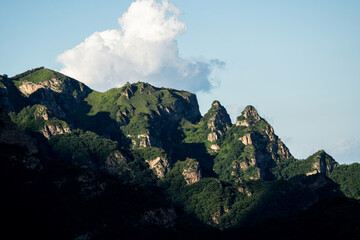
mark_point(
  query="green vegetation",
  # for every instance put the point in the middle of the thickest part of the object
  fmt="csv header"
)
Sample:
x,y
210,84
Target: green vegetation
x,y
224,161
150,153
132,99
206,199
88,148
82,147
108,134
348,177
195,133
233,152
33,118
139,124
133,106
38,75
292,167
21,75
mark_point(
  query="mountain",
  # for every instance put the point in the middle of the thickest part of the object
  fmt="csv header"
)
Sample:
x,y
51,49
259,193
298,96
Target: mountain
x,y
250,149
139,160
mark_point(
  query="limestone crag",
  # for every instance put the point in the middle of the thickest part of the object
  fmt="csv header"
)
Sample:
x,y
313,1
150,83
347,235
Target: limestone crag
x,y
160,165
46,123
141,140
165,108
214,147
218,121
323,163
58,94
263,148
191,171
29,88
246,139
249,117
116,164
277,149
52,129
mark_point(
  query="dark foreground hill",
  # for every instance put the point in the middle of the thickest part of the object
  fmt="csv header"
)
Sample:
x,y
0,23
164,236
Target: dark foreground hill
x,y
140,161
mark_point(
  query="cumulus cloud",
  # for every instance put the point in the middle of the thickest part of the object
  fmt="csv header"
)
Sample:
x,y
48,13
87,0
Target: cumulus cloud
x,y
144,48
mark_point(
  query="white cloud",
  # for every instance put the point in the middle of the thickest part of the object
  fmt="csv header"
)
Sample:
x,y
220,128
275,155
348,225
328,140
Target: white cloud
x,y
144,48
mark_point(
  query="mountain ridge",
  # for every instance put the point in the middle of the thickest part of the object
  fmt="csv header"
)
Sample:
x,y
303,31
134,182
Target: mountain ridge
x,y
139,115
207,170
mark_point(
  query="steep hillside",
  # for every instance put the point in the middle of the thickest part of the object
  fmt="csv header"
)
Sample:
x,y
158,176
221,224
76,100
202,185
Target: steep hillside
x,y
319,162
249,149
206,172
55,103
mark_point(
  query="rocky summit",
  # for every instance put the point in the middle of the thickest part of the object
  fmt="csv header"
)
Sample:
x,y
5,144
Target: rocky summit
x,y
140,161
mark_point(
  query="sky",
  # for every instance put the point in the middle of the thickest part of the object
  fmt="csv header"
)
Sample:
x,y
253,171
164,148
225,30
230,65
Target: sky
x,y
297,62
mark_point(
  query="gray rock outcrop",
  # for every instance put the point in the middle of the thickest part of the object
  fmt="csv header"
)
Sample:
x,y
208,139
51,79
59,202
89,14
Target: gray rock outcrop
x,y
217,120
191,171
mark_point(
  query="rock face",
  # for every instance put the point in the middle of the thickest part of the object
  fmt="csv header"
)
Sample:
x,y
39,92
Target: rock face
x,y
116,164
29,88
323,163
54,90
52,129
246,139
262,149
141,140
191,171
249,117
268,148
38,118
160,165
10,134
218,121
168,108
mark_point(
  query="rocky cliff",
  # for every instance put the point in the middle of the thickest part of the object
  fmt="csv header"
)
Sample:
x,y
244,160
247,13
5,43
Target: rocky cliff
x,y
322,163
218,121
160,165
191,171
254,147
155,126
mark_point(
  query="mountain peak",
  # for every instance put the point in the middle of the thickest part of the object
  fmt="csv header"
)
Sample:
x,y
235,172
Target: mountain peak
x,y
31,81
248,117
218,121
216,103
250,113
322,163
38,75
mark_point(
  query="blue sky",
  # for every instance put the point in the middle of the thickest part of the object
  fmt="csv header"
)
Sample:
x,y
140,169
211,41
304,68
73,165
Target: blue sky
x,y
297,62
